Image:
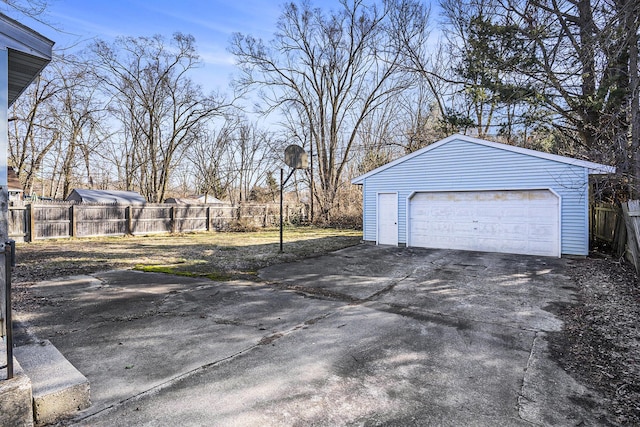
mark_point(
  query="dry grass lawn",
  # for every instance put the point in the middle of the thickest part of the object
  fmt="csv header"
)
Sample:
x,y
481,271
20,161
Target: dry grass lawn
x,y
219,256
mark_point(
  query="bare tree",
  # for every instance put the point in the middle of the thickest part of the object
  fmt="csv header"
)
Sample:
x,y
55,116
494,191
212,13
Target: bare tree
x,y
79,122
583,71
412,121
56,128
159,107
332,70
33,131
209,161
252,154
565,66
31,8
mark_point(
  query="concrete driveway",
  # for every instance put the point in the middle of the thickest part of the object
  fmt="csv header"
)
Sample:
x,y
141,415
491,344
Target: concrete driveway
x,y
364,336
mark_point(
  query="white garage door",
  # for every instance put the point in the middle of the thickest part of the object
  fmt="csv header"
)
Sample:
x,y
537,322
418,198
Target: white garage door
x,y
521,222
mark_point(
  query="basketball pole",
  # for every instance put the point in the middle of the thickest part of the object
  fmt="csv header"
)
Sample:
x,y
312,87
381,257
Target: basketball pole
x,y
296,158
311,182
281,191
283,182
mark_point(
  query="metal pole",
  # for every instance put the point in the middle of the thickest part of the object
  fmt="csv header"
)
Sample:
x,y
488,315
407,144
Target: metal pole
x,y
9,257
282,184
311,186
281,203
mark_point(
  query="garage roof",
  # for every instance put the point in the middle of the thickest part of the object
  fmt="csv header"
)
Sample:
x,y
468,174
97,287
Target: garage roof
x,y
28,51
593,168
105,196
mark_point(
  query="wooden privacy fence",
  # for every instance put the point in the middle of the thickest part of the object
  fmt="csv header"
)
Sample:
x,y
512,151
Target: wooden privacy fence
x,y
31,222
604,218
607,225
619,226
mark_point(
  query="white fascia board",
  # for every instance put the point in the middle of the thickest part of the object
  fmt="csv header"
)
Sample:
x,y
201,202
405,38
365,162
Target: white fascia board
x,y
14,35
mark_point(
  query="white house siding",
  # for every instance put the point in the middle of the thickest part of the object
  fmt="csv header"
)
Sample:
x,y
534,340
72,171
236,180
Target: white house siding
x,y
461,165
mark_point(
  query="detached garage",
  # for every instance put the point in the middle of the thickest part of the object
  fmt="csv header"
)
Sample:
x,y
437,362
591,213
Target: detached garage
x,y
470,194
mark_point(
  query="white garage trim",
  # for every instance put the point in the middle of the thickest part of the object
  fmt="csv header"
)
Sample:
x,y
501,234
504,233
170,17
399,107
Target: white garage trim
x,y
475,233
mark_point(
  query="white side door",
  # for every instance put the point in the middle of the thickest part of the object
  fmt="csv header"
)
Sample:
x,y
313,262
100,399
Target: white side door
x,y
387,219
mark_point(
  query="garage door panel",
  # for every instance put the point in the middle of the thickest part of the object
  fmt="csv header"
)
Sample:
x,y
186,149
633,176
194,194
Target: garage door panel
x,y
440,213
541,248
462,213
495,245
438,228
516,246
440,241
507,214
525,222
506,231
541,231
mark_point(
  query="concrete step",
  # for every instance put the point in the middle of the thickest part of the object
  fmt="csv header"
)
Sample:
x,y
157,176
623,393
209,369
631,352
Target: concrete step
x,y
59,390
15,394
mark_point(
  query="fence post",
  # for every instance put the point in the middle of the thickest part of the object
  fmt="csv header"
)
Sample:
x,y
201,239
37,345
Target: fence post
x,y
31,223
127,217
593,221
632,235
208,226
620,234
72,221
172,220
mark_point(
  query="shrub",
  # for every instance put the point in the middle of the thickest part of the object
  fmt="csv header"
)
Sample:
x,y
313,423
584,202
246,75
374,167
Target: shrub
x,y
243,225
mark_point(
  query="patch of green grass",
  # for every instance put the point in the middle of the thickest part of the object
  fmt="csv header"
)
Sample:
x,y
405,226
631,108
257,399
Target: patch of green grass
x,y
168,269
218,277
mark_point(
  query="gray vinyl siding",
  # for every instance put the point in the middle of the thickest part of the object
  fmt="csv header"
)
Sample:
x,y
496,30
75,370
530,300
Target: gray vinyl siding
x,y
461,165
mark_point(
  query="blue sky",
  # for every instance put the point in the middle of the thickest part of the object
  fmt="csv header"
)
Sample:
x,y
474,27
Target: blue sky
x,y
74,23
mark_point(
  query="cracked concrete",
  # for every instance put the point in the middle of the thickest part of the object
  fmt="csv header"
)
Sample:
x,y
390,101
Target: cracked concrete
x,y
363,336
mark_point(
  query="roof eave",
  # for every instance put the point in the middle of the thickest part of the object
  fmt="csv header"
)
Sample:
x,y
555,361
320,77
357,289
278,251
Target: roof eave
x,y
593,168
607,170
22,38
29,52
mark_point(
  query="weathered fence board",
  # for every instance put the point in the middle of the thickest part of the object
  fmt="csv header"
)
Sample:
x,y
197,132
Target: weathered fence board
x,y
92,221
631,211
18,221
150,219
59,220
221,218
50,222
605,218
190,218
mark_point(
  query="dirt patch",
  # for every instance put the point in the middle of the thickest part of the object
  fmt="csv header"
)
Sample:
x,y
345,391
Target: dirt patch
x,y
600,343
